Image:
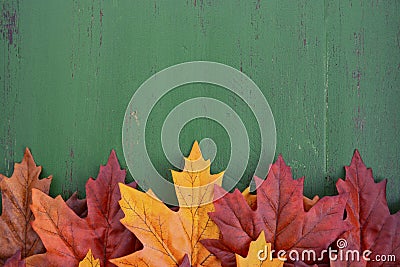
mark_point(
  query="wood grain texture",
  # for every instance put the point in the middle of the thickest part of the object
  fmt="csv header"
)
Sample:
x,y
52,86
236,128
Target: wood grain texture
x,y
363,77
330,71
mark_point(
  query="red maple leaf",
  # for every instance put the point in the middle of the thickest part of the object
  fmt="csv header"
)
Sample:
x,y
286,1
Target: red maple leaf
x,y
374,228
279,213
79,206
15,261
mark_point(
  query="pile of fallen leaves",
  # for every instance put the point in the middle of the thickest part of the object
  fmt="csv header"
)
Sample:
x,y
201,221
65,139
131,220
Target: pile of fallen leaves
x,y
118,225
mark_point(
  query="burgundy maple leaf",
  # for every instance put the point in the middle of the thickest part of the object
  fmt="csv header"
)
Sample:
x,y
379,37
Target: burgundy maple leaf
x,y
280,214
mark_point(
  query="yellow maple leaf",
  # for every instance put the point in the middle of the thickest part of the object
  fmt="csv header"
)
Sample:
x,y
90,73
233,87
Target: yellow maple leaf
x,y
259,255
89,261
167,235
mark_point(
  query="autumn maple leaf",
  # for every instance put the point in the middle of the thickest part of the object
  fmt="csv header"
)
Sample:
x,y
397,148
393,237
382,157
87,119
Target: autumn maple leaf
x,y
79,206
185,262
374,228
255,258
89,261
67,237
280,213
172,238
15,261
16,233
252,200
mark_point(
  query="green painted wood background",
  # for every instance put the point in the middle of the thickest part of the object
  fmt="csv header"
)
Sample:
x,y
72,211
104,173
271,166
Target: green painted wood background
x,y
329,69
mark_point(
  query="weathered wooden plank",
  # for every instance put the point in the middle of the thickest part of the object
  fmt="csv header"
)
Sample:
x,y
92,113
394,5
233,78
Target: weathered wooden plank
x,y
9,69
363,55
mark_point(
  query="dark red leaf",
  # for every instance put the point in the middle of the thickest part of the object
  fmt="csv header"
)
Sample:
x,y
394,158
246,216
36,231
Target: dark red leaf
x,y
79,206
185,262
374,228
280,214
15,261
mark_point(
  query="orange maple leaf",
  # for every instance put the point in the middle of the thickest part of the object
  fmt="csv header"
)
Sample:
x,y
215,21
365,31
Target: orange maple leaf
x,y
169,236
67,237
15,228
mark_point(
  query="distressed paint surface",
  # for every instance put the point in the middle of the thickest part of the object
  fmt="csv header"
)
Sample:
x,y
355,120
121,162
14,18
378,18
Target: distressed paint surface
x,y
330,71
